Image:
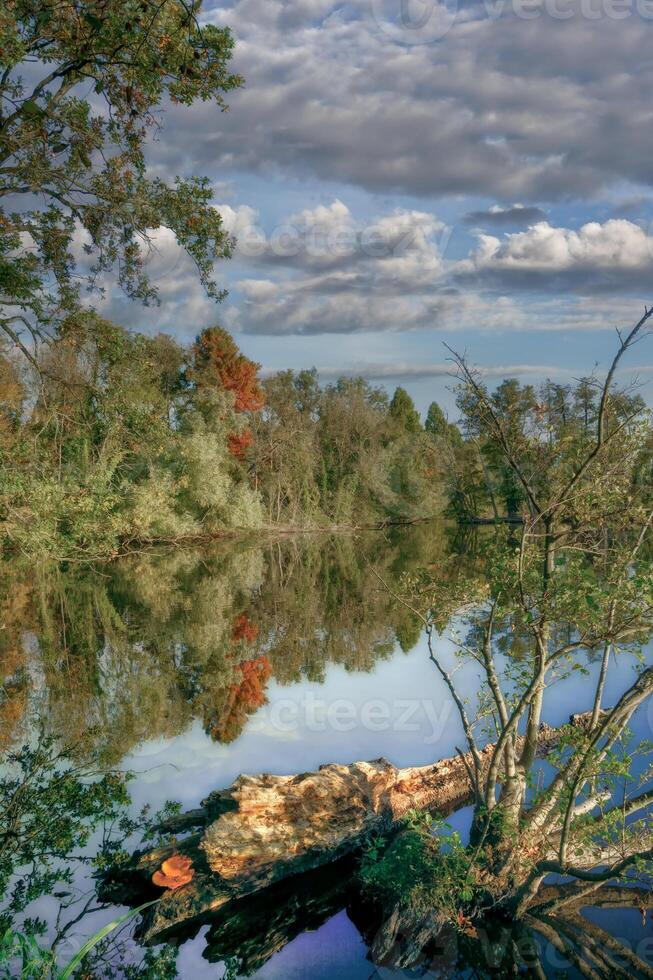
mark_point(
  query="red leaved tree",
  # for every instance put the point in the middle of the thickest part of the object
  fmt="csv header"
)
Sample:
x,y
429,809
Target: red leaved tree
x,y
218,363
239,443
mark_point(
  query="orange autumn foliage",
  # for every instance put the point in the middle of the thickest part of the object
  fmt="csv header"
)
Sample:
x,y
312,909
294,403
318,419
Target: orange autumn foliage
x,y
12,712
12,397
239,444
465,925
244,629
244,699
175,872
217,362
256,674
14,615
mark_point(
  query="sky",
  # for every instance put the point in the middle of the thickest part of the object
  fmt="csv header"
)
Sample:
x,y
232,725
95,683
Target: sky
x,y
403,175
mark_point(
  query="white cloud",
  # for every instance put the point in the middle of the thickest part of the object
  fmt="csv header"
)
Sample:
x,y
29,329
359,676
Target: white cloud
x,y
340,276
239,220
404,244
327,271
503,108
616,244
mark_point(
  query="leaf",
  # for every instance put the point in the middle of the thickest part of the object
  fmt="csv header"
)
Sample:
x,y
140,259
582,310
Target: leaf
x,y
465,925
32,109
95,22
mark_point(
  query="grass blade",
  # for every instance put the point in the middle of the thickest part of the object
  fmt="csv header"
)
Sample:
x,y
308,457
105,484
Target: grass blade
x,y
68,971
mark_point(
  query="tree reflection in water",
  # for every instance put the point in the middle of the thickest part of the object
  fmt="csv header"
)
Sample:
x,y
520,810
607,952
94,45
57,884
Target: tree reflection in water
x,y
141,647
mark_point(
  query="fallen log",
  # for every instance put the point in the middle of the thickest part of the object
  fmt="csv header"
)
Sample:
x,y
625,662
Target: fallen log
x,y
265,828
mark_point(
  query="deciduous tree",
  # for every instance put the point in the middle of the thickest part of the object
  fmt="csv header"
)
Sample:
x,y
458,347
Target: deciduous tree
x,y
82,90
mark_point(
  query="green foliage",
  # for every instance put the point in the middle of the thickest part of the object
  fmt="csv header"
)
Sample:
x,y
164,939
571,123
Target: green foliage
x,y
78,162
341,454
90,944
402,410
131,439
547,430
51,810
48,808
440,429
436,421
119,446
19,950
424,867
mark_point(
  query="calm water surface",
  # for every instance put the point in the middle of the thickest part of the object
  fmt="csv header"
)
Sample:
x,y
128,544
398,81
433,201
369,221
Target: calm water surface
x,y
190,667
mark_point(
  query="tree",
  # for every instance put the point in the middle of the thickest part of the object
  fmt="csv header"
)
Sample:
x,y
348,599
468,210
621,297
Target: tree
x,y
577,588
455,466
72,164
286,449
337,455
12,399
585,401
402,409
515,404
439,427
218,363
98,418
436,421
245,697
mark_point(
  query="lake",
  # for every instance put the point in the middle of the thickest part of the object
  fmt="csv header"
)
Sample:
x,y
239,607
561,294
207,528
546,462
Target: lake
x,y
189,667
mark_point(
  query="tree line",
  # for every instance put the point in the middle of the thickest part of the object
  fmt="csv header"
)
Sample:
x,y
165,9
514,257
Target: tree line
x,y
111,439
141,647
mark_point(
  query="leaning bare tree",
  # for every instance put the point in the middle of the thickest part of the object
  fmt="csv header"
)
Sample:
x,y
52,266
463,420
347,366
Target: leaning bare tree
x,y
570,594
